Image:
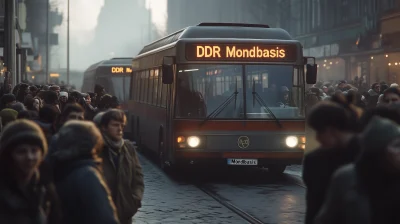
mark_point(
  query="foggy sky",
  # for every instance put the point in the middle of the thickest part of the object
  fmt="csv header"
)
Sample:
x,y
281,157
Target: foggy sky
x,y
101,29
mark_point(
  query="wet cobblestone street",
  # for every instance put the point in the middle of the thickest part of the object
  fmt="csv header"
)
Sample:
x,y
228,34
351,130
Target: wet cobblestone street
x,y
166,201
177,199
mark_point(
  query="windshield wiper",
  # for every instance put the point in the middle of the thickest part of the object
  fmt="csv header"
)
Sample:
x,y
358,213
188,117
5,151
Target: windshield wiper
x,y
257,97
223,105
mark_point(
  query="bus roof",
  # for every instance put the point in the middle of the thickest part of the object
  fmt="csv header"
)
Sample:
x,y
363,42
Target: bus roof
x,y
219,31
111,62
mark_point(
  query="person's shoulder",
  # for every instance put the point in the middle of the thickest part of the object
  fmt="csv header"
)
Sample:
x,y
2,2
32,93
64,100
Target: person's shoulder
x,y
316,154
130,146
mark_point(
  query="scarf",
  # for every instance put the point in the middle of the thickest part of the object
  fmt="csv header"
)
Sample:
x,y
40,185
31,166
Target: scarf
x,y
114,145
115,149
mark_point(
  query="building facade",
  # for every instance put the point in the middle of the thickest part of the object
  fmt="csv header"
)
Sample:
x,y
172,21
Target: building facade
x,y
29,37
36,30
349,38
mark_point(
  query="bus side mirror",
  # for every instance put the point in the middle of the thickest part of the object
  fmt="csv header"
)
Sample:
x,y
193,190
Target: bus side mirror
x,y
168,70
311,75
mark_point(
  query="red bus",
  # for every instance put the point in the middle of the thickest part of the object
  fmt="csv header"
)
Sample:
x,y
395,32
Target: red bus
x,y
224,93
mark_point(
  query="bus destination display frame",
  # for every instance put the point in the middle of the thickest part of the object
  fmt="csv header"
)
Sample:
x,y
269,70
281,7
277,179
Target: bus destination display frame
x,y
248,52
116,70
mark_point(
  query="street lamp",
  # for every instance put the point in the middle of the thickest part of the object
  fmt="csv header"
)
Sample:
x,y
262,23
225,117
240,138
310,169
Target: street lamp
x,y
68,43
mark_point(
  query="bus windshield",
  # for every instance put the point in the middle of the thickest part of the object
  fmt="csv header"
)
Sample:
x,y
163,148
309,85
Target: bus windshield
x,y
239,91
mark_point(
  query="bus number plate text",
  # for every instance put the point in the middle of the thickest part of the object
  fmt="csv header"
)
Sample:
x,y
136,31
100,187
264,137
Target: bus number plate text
x,y
243,162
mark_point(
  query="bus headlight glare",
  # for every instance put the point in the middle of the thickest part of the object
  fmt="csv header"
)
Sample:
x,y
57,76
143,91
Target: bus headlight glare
x,y
292,141
193,141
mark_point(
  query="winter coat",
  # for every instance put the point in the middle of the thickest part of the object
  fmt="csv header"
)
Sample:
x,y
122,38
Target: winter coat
x,y
125,182
366,192
84,194
82,190
18,207
347,201
318,168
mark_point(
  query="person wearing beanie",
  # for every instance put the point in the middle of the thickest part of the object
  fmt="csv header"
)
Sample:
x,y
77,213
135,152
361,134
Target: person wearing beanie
x,y
64,94
97,118
7,115
368,190
22,149
7,100
78,177
63,100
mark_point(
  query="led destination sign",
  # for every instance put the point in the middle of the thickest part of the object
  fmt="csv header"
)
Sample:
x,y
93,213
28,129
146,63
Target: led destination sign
x,y
122,70
241,52
119,70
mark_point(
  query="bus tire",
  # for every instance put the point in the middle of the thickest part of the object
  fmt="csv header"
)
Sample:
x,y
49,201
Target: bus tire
x,y
276,169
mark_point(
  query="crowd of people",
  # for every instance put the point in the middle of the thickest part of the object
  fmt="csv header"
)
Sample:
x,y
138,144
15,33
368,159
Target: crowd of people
x,y
63,158
354,175
365,98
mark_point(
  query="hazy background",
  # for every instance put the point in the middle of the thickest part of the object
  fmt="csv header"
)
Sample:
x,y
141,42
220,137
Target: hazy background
x,y
96,32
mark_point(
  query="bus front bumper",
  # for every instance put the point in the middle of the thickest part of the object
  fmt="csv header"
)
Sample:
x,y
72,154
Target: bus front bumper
x,y
262,158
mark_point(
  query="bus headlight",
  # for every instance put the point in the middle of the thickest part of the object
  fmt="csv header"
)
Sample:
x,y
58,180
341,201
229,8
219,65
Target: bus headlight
x,y
193,141
292,141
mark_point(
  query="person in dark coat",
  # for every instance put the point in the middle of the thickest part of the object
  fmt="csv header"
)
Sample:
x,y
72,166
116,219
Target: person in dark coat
x,y
24,198
367,191
336,126
48,117
121,166
78,178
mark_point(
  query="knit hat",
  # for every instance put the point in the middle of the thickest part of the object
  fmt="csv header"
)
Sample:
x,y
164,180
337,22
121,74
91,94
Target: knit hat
x,y
379,133
7,115
22,132
64,94
97,118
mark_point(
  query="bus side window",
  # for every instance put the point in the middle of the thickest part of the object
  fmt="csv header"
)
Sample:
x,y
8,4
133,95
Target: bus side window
x,y
155,89
160,89
151,86
138,86
143,88
164,95
146,86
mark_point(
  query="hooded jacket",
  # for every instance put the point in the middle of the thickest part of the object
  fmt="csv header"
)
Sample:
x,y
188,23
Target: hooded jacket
x,y
80,185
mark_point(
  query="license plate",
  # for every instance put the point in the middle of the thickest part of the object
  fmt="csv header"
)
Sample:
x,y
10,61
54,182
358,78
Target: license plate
x,y
243,162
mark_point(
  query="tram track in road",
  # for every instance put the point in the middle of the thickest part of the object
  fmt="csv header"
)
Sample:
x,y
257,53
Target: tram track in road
x,y
211,189
224,202
218,198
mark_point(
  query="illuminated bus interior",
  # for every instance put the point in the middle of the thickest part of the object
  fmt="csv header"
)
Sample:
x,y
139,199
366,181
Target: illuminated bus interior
x,y
270,91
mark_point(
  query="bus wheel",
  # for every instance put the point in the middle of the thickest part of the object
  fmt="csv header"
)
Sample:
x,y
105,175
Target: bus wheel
x,y
276,169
